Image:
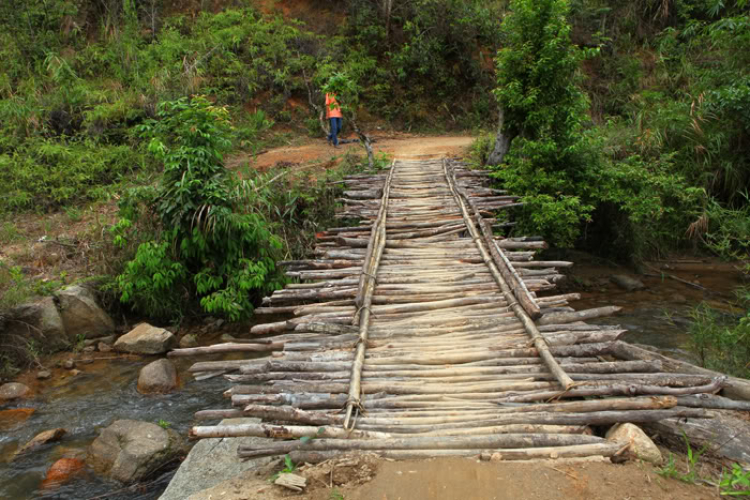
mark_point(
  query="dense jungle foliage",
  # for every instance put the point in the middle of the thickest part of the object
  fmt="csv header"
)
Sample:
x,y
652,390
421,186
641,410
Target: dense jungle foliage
x,y
631,121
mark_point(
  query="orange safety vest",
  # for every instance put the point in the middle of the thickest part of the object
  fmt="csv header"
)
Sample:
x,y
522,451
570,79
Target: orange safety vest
x,y
332,106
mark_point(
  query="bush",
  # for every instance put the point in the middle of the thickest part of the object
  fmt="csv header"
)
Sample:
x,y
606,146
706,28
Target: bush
x,y
45,174
211,245
721,342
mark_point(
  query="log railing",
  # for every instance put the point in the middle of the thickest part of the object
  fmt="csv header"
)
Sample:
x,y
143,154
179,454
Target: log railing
x,y
522,303
363,301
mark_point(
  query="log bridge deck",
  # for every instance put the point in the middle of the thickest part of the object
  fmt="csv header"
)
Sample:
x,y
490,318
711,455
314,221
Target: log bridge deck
x,y
419,333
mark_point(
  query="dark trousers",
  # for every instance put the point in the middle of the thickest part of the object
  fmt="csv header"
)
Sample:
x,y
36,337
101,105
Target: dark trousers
x,y
335,130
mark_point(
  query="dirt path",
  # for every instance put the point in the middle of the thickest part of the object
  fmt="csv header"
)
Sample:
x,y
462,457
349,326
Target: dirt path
x,y
318,151
467,479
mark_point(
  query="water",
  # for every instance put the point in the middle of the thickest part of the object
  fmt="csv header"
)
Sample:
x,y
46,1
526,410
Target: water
x,y
658,316
103,392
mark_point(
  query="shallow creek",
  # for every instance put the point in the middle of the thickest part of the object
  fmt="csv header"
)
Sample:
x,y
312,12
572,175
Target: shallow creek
x,y
105,390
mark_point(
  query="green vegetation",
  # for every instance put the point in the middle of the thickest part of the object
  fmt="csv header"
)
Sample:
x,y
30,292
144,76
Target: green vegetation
x,y
78,77
539,91
734,482
721,341
627,124
210,243
289,467
17,288
92,94
692,457
568,169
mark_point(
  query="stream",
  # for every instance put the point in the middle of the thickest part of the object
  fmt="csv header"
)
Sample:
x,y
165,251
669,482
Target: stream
x,y
105,390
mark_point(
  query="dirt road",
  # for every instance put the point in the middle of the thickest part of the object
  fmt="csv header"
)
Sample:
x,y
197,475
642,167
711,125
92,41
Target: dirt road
x,y
318,150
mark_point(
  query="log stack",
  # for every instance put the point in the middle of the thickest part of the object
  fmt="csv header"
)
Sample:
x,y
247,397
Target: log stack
x,y
417,332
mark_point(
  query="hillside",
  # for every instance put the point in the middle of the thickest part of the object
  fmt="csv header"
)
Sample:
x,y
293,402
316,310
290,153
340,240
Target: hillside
x,y
94,98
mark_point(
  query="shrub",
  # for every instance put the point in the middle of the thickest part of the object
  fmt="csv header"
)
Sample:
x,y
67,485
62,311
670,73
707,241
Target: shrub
x,y
720,341
211,245
47,174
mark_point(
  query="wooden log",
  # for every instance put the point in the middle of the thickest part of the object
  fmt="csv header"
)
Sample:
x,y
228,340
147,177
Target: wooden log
x,y
616,389
733,388
526,306
218,414
364,300
725,435
282,432
224,348
607,449
422,443
711,401
586,314
395,424
208,366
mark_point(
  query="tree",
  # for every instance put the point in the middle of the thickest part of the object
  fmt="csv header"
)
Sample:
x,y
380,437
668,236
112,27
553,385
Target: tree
x,y
552,162
537,82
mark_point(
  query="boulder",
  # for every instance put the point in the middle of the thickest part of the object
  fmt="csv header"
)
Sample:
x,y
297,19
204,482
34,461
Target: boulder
x,y
43,374
82,315
39,440
129,450
13,390
38,321
627,283
146,339
641,445
159,377
225,337
62,471
213,461
189,340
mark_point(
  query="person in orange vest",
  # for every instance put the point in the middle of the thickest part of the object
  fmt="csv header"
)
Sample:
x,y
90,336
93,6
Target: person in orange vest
x,y
333,112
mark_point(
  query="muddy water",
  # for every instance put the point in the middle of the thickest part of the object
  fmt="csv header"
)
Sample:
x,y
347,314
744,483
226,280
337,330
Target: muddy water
x,y
105,390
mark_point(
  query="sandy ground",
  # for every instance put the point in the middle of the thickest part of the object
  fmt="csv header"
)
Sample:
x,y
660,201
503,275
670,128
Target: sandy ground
x,y
319,151
467,479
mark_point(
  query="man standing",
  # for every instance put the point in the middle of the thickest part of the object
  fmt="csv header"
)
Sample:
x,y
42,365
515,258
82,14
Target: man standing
x,y
333,111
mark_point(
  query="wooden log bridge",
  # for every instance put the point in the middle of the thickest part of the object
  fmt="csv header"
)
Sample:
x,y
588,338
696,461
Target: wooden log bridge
x,y
418,332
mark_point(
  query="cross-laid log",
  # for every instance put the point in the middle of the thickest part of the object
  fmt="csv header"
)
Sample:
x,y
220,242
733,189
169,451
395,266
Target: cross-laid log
x,y
283,432
422,443
616,389
225,348
607,449
734,388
